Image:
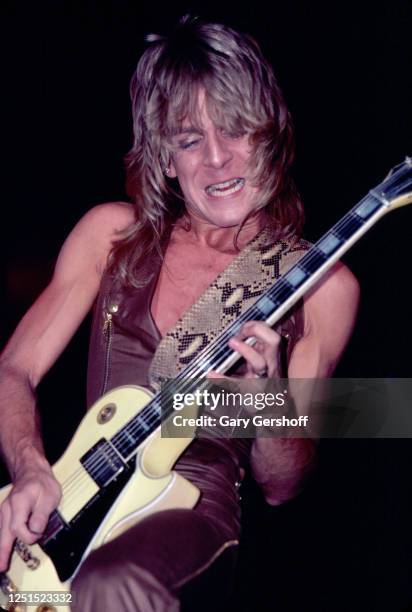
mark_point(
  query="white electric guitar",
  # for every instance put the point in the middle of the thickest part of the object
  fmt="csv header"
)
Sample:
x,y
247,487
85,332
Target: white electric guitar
x,y
117,468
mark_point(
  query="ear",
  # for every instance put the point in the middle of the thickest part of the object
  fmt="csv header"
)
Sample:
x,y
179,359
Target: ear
x,y
172,170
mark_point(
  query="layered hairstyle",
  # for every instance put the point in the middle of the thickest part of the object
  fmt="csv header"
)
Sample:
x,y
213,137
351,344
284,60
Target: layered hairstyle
x,y
242,96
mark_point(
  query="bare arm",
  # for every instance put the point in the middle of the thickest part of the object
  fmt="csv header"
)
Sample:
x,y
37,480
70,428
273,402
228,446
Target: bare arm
x,y
36,344
279,464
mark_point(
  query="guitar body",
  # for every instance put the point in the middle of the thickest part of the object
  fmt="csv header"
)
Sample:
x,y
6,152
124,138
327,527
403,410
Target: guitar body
x,y
150,487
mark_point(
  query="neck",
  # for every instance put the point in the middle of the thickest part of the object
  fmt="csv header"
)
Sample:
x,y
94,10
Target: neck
x,y
205,234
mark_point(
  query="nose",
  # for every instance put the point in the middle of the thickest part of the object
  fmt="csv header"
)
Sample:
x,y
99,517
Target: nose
x,y
217,151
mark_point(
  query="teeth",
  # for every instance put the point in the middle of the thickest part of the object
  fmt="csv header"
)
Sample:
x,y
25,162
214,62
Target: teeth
x,y
225,188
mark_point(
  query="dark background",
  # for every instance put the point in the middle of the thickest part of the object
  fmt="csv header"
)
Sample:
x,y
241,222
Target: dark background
x,y
345,68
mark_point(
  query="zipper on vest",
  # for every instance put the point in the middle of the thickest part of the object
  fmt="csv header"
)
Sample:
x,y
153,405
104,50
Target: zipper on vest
x,y
108,336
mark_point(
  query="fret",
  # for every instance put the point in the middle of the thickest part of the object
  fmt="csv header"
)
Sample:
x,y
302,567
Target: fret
x,y
155,408
127,439
347,227
125,442
220,353
280,291
367,207
265,305
312,260
166,396
206,365
142,422
329,244
296,276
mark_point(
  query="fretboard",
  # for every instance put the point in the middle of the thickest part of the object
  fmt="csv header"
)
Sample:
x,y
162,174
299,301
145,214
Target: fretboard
x,y
270,307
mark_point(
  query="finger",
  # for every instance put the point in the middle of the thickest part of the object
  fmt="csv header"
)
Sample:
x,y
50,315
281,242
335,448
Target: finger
x,y
271,354
213,374
261,331
267,343
255,361
21,506
6,536
42,508
38,520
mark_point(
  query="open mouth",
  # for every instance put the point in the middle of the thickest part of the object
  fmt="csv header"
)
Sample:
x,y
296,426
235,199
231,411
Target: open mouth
x,y
226,188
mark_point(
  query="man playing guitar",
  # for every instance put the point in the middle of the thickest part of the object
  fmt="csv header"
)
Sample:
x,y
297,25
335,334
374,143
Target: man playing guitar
x,y
208,176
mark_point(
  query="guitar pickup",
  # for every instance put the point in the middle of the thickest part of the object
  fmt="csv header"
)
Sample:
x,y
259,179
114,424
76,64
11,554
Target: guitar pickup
x,y
103,462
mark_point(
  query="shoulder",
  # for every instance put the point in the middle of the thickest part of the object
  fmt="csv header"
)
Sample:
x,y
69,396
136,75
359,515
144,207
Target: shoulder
x,y
109,218
91,240
336,291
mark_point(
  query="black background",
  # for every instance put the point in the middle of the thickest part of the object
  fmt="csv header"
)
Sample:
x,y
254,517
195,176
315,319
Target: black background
x,y
345,71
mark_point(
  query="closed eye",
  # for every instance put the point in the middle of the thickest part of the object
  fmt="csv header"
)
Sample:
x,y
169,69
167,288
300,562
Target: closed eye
x,y
188,144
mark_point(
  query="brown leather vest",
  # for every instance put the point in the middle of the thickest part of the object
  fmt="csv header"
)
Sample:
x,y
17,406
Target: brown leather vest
x,y
126,348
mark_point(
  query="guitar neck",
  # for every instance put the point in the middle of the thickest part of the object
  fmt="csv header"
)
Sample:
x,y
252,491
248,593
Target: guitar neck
x,y
273,304
297,281
270,307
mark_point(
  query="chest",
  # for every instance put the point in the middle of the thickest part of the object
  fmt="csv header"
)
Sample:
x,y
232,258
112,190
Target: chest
x,y
185,275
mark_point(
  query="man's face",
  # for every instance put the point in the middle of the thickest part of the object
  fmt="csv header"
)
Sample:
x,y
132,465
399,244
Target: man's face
x,y
212,169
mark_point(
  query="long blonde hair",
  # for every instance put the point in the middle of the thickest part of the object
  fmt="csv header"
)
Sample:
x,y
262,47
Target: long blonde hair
x,y
242,95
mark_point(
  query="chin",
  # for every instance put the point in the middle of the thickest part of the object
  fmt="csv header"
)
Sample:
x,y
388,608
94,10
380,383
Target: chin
x,y
224,213
227,221
233,218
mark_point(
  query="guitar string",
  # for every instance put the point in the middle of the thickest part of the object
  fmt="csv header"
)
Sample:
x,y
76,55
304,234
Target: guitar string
x,y
153,417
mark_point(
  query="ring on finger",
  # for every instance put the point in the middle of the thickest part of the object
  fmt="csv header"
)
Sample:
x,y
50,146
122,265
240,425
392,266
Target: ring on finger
x,y
261,373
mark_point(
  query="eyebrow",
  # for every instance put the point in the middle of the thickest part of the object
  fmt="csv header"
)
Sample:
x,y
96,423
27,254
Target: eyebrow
x,y
184,130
